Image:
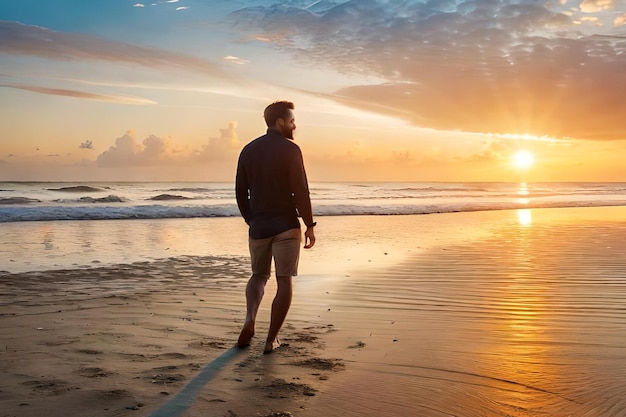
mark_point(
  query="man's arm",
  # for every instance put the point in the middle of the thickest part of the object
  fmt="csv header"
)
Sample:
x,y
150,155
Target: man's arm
x,y
300,188
302,198
241,192
309,237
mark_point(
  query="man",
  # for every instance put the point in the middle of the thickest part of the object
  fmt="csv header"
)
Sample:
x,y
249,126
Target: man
x,y
272,192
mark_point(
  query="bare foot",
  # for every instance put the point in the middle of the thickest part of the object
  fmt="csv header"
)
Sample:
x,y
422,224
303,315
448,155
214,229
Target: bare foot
x,y
246,335
270,346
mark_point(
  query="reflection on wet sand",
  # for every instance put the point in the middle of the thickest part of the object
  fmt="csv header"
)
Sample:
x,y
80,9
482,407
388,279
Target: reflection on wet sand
x,y
513,313
526,322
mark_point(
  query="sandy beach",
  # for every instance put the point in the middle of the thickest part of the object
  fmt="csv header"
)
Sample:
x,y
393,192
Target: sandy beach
x,y
504,313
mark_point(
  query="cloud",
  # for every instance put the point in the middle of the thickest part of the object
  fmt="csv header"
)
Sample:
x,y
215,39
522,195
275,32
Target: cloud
x,y
620,20
235,60
128,152
86,145
224,147
21,39
182,8
139,5
500,66
79,94
592,6
155,151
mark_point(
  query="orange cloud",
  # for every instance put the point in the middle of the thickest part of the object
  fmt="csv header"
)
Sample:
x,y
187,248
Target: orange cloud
x,y
226,146
500,66
156,151
127,152
593,6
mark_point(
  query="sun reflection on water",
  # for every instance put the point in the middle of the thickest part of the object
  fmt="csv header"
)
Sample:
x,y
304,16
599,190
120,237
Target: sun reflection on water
x,y
527,348
524,217
523,193
523,189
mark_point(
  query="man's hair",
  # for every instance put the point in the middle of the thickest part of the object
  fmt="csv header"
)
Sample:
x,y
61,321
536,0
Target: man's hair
x,y
277,110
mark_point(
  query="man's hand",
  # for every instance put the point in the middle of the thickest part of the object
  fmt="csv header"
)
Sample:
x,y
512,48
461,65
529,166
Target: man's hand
x,y
309,238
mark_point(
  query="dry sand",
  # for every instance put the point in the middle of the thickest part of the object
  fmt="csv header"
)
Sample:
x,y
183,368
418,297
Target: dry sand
x,y
516,313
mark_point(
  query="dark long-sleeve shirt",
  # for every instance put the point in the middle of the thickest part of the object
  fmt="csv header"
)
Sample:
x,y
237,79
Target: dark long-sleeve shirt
x,y
271,186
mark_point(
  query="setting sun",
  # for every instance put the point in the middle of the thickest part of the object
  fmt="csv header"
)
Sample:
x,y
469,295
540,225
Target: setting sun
x,y
523,159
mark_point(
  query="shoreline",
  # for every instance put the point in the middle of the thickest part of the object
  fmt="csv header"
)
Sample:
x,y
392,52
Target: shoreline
x,y
466,314
55,245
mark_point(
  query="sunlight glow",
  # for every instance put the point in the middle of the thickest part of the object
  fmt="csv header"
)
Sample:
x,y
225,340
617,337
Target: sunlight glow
x,y
523,159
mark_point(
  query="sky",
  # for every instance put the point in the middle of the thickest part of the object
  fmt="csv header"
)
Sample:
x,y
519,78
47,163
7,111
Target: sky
x,y
384,90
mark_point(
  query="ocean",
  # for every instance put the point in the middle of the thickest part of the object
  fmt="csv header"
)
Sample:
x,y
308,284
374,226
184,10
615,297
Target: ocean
x,y
50,225
42,201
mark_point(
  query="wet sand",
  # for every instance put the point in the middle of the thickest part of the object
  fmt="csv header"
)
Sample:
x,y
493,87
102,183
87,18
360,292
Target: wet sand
x,y
514,313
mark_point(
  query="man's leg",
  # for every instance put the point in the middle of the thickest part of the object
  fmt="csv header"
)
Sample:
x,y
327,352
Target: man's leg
x,y
280,308
261,262
254,294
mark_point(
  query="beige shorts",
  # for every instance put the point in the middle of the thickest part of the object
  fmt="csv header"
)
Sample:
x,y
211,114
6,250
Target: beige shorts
x,y
284,248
